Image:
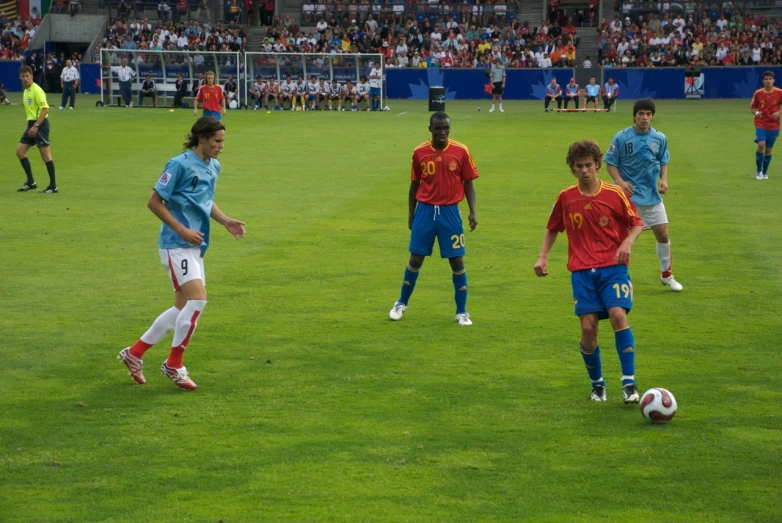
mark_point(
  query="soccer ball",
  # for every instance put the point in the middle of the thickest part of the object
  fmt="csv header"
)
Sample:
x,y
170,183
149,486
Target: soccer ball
x,y
233,104
386,108
658,405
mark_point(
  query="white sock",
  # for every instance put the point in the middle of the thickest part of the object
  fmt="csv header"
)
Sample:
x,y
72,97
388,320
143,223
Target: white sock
x,y
664,255
164,324
492,106
186,322
500,105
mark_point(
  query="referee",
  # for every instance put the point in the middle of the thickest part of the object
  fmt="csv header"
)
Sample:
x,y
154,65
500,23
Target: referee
x,y
69,81
497,74
125,75
36,133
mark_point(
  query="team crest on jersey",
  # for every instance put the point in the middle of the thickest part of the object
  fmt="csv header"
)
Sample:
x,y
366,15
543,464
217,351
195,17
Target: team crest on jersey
x,y
611,149
30,102
453,166
655,147
603,221
164,179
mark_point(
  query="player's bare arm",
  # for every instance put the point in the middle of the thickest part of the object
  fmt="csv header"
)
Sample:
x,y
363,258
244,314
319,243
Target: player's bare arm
x,y
623,252
469,194
541,266
235,227
411,203
625,186
663,185
158,208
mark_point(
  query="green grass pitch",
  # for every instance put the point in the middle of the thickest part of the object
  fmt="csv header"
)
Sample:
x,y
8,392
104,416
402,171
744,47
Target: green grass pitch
x,y
312,405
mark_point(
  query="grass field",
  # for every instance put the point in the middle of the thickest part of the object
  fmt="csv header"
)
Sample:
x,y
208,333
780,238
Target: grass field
x,y
312,405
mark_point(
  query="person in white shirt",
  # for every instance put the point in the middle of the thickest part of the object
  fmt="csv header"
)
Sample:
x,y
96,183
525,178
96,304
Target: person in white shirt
x,y
257,92
324,93
313,94
375,81
125,75
288,92
545,62
335,90
322,25
301,93
401,49
348,92
69,81
362,93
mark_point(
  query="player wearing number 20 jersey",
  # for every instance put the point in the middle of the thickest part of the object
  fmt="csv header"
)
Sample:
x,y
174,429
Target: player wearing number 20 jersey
x,y
442,175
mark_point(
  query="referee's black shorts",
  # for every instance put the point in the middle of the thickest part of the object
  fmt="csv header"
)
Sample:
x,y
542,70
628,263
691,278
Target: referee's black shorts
x,y
41,138
497,88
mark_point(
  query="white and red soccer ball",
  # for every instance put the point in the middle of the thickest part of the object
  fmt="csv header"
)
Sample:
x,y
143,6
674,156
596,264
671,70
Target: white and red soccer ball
x,y
658,405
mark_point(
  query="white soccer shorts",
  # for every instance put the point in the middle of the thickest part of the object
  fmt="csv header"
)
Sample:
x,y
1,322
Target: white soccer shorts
x,y
183,265
653,215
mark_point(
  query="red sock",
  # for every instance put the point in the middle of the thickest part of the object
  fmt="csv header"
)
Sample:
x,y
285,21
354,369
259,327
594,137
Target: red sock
x,y
139,348
175,358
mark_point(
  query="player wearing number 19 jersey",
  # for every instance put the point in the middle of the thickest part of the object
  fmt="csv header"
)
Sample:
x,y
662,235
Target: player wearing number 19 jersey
x,y
765,107
601,225
442,176
183,199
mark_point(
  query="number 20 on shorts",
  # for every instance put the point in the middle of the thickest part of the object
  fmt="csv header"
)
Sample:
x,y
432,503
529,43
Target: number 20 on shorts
x,y
458,241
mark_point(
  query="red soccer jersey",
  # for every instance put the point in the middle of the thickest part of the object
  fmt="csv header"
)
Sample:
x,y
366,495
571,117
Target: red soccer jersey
x,y
596,225
767,104
210,97
442,173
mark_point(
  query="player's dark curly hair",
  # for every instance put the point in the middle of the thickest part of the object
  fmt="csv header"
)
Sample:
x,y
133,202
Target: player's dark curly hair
x,y
584,149
205,127
644,104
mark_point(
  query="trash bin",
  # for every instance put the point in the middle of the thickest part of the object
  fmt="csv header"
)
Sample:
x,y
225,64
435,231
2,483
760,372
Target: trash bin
x,y
436,98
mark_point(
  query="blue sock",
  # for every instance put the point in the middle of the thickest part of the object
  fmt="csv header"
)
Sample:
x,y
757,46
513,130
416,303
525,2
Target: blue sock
x,y
625,347
592,364
759,161
766,161
411,275
460,290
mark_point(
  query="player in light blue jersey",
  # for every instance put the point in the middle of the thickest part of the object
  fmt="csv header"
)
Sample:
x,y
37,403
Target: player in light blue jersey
x,y
637,160
592,93
183,199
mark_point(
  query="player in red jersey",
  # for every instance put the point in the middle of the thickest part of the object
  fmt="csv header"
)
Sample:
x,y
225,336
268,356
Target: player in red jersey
x,y
601,225
443,174
211,95
766,108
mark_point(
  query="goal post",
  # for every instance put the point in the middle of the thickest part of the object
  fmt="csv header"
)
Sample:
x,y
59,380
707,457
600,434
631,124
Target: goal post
x,y
164,67
339,67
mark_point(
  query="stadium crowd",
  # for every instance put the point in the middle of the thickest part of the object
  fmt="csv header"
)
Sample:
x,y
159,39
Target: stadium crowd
x,y
16,36
704,35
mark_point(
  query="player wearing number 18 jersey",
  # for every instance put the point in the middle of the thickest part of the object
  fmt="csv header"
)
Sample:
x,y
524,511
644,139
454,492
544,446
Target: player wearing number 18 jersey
x,y
601,225
442,175
183,199
765,107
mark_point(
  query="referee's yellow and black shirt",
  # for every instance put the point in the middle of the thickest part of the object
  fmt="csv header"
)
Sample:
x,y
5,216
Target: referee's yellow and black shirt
x,y
34,100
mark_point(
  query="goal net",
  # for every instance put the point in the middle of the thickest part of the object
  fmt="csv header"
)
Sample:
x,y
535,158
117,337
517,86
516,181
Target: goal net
x,y
164,67
339,67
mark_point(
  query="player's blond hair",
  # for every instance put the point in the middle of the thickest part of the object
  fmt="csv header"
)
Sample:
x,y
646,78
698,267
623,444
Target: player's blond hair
x,y
584,149
206,78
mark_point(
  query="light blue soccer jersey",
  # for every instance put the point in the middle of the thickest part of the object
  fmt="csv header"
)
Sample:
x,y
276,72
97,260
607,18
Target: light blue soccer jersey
x,y
639,156
593,90
188,187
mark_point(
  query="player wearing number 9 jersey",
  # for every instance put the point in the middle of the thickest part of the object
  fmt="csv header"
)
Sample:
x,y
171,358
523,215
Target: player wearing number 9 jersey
x,y
442,175
601,225
183,199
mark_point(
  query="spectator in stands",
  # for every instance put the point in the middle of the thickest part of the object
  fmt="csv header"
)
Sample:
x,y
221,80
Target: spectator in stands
x,y
163,10
203,13
123,9
74,7
268,11
148,90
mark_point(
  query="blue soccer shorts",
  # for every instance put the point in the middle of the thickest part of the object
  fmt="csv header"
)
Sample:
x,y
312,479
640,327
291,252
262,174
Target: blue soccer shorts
x,y
441,221
763,135
600,290
374,91
214,114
